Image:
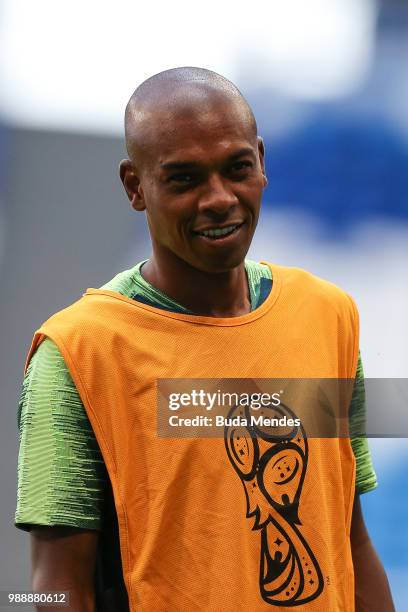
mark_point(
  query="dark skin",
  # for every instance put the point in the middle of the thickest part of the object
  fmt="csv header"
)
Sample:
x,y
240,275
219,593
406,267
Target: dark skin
x,y
205,171
209,173
372,591
63,559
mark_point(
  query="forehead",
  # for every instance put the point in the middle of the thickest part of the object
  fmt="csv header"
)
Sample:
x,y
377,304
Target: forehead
x,y
193,127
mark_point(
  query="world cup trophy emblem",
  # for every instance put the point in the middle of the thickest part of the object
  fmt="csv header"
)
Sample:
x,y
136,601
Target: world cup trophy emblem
x,y
272,468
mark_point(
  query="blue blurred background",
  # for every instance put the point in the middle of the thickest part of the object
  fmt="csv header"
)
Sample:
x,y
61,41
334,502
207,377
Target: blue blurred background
x,y
328,81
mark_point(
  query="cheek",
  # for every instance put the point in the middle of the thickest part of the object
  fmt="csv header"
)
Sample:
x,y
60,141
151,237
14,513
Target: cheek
x,y
253,187
252,198
167,222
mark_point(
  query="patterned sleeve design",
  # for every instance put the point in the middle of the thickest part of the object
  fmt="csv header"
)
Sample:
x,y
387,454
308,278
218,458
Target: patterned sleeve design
x,y
366,479
61,474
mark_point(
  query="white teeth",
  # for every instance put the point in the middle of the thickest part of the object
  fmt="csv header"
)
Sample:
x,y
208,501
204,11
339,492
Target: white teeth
x,y
219,232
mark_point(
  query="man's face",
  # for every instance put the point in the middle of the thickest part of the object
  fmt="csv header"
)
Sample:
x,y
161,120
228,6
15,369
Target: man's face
x,y
201,183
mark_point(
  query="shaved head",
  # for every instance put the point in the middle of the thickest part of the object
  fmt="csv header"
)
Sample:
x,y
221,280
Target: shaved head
x,y
195,162
175,95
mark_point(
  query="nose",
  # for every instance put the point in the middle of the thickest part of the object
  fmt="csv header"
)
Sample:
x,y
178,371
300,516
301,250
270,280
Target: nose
x,y
217,196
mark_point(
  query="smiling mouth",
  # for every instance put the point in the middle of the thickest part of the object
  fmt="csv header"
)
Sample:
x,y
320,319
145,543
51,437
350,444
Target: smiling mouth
x,y
216,233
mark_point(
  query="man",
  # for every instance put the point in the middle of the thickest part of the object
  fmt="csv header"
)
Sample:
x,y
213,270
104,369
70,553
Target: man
x,y
190,537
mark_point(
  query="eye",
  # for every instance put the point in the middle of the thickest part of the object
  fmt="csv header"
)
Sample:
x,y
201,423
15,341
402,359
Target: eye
x,y
181,178
241,166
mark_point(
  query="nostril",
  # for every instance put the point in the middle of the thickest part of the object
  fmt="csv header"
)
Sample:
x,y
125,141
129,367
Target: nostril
x,y
285,499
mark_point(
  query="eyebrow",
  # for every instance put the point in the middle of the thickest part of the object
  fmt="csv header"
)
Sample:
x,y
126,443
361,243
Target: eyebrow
x,y
177,165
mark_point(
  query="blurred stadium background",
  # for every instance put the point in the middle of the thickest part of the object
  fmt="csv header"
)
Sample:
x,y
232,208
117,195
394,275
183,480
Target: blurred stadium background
x,y
328,81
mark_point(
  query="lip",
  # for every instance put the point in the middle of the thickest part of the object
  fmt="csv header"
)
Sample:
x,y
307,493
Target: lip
x,y
212,227
221,240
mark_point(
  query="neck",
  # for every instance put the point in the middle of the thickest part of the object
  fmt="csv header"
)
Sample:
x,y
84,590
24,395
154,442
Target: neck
x,y
214,295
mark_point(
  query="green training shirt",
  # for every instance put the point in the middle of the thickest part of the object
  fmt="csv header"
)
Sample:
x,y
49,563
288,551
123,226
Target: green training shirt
x,y
62,479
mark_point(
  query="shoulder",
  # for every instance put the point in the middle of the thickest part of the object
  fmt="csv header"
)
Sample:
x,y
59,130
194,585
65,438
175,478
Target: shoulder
x,y
307,287
95,304
124,282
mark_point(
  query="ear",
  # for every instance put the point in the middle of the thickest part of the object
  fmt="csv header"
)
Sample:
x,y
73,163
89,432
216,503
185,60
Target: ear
x,y
261,153
131,182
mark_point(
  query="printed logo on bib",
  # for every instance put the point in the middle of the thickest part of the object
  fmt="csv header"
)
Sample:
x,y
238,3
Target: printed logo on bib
x,y
272,469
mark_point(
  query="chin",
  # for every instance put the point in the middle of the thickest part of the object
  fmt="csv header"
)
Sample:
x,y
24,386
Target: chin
x,y
220,265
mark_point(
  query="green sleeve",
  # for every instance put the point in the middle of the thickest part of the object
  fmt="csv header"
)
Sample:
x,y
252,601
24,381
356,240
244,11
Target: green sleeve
x,y
366,479
61,474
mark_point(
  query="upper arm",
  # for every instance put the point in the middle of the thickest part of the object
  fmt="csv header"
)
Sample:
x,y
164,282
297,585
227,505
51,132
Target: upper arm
x,y
372,591
61,475
358,533
64,559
